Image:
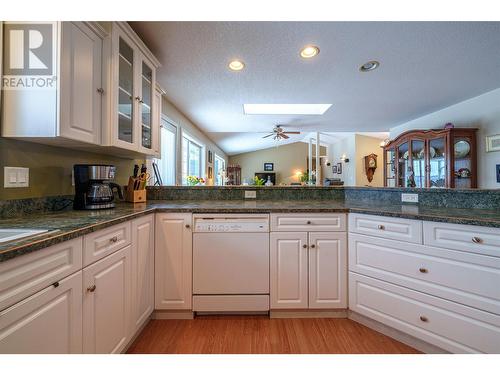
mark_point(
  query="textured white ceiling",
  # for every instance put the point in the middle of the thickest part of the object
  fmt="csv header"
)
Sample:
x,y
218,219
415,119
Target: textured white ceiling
x,y
425,66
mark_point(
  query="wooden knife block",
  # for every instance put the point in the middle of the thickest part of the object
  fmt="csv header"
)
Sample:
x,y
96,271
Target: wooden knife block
x,y
134,196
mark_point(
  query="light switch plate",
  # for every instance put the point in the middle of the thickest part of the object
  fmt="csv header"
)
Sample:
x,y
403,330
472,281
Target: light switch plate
x,y
409,198
14,177
250,194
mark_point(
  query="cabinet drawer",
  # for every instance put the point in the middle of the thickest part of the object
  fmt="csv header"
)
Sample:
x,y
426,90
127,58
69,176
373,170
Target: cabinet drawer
x,y
469,279
387,227
25,275
453,327
308,222
99,244
471,238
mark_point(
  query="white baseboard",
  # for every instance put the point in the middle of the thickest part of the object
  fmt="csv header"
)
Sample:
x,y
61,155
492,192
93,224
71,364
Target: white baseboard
x,y
308,313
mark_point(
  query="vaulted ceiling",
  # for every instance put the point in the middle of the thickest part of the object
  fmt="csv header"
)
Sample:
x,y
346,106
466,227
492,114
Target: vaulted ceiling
x,y
424,66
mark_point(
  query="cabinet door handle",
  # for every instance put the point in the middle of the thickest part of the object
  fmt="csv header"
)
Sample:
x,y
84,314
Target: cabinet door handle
x,y
304,246
381,227
308,222
56,284
423,270
188,226
91,288
477,240
424,319
100,90
113,239
138,98
313,246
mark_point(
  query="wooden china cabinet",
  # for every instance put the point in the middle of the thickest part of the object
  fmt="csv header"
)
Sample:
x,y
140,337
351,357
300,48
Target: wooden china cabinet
x,y
445,158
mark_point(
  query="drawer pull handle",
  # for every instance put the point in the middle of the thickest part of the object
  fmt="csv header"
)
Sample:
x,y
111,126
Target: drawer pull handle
x,y
308,222
91,288
188,226
304,246
313,246
381,227
423,270
424,319
56,284
113,239
476,240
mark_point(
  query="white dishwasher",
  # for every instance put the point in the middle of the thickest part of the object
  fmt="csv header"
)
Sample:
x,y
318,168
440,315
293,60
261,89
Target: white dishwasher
x,y
230,263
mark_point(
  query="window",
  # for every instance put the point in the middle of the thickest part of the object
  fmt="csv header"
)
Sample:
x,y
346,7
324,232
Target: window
x,y
219,169
166,165
192,160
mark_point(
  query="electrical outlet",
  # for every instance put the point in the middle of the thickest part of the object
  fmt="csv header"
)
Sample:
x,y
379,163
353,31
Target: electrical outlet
x,y
409,198
14,177
250,194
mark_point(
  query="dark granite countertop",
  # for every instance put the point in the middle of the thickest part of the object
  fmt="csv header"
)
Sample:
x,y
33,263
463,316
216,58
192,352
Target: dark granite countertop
x,y
69,224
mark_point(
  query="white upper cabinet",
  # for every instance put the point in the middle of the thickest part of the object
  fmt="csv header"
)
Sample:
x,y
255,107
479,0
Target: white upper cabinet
x,y
97,88
66,110
131,84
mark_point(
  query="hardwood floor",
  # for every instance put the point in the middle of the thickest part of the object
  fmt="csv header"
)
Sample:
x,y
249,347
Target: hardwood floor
x,y
261,335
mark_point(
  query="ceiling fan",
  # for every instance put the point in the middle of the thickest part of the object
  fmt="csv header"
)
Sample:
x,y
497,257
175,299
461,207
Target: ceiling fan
x,y
279,133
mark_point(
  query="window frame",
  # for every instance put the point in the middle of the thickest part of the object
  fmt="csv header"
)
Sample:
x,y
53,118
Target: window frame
x,y
192,140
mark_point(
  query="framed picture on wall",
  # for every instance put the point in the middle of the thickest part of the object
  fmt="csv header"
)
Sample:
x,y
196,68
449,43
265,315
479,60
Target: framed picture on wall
x,y
210,172
210,157
269,167
339,168
493,143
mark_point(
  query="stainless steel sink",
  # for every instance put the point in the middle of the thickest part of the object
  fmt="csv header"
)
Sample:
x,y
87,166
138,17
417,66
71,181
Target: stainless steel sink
x,y
10,234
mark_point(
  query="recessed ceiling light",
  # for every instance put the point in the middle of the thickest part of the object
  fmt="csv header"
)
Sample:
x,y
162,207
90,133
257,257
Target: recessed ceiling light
x,y
309,51
236,65
285,109
369,66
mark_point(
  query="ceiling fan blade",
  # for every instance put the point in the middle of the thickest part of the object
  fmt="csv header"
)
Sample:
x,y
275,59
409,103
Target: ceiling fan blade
x,y
283,135
291,133
268,135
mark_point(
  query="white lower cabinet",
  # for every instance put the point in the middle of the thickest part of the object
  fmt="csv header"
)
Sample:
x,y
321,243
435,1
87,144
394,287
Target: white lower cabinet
x,y
173,261
288,270
449,325
106,303
48,322
327,270
308,270
142,270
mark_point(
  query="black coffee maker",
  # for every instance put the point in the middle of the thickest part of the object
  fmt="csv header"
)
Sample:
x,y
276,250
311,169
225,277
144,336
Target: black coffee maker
x,y
93,186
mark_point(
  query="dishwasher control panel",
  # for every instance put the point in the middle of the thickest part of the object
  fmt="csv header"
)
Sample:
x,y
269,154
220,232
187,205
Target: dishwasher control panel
x,y
248,223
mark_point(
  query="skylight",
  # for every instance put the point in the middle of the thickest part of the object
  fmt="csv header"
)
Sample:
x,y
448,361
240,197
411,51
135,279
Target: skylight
x,y
285,109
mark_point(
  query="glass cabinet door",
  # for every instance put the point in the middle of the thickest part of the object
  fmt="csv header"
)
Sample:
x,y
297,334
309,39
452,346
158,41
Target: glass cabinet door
x,y
125,92
418,163
462,164
390,168
146,101
404,179
437,163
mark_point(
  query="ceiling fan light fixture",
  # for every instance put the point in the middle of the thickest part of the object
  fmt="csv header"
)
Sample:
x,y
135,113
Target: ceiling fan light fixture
x,y
309,52
236,65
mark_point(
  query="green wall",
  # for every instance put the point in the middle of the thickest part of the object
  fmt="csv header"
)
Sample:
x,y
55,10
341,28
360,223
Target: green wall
x,y
50,167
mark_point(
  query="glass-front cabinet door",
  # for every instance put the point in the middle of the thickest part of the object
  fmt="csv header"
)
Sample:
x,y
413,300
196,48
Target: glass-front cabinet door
x,y
145,106
404,176
125,92
437,163
462,162
390,167
418,163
